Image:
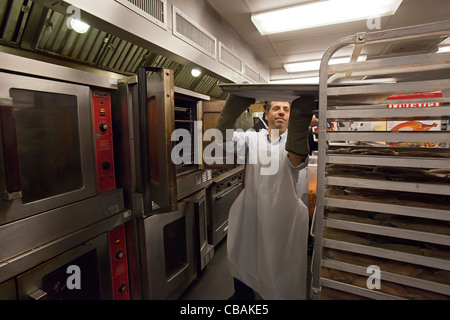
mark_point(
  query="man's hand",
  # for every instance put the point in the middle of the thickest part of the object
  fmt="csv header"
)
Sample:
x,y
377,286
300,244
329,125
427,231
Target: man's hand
x,y
299,121
234,107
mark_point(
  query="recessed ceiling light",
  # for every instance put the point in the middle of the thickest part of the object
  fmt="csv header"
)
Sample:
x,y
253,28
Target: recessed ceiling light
x,y
322,13
195,72
79,26
315,64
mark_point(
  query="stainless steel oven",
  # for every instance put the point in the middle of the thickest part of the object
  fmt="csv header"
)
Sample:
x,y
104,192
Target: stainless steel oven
x,y
227,184
167,252
57,165
157,112
47,145
204,250
96,269
156,187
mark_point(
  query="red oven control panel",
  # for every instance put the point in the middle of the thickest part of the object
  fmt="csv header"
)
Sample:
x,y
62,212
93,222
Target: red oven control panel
x,y
104,152
119,264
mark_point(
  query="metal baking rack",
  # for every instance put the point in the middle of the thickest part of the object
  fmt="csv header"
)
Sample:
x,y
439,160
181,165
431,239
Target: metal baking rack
x,y
413,263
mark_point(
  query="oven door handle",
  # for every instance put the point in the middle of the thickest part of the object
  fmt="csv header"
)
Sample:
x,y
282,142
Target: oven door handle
x,y
229,191
10,150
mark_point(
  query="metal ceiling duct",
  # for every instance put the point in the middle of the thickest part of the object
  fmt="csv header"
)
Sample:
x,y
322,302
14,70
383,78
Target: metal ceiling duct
x,y
30,26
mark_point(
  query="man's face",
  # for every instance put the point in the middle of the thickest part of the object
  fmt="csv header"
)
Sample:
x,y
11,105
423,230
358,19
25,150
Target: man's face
x,y
278,115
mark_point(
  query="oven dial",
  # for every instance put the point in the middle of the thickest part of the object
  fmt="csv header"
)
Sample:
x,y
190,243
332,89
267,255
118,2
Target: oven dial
x,y
104,127
119,254
106,165
122,288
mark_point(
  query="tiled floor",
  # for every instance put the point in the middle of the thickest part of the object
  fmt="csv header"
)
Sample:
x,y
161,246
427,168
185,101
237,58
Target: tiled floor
x,y
216,282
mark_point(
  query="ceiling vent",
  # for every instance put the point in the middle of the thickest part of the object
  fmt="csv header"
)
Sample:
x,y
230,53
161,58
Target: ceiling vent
x,y
251,74
153,10
188,31
229,59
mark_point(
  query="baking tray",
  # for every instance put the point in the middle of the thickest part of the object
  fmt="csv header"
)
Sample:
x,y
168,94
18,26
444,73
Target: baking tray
x,y
289,92
274,92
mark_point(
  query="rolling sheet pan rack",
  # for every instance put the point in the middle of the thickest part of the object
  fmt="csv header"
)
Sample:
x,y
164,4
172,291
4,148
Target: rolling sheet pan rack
x,y
354,226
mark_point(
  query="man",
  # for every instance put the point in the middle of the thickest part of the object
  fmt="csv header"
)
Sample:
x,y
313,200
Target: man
x,y
268,224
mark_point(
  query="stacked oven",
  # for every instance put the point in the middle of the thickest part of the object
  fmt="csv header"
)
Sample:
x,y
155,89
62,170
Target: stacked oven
x,y
61,215
227,184
164,184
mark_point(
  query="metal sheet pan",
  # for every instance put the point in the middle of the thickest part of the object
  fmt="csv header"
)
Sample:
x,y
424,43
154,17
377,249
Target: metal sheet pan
x,y
274,92
289,92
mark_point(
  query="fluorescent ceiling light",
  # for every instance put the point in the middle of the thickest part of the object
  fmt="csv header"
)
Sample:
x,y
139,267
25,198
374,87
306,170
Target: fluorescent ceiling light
x,y
315,64
443,49
79,26
311,80
322,13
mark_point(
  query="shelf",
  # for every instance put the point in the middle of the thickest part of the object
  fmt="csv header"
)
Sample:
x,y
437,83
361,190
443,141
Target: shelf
x,y
394,65
391,88
389,136
387,254
391,161
388,231
372,294
428,188
392,114
388,276
418,212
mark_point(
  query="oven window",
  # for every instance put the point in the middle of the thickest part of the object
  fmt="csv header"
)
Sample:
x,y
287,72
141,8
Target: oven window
x,y
175,247
48,143
55,282
185,116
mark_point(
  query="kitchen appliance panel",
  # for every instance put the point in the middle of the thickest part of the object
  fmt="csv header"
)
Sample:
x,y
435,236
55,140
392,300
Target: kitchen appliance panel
x,y
104,151
119,266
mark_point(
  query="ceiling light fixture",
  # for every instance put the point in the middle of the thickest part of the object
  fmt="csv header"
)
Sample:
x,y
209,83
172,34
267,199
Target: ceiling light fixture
x,y
314,65
443,49
79,26
322,13
309,80
195,72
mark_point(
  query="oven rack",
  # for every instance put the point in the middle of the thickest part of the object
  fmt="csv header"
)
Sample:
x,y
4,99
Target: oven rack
x,y
384,149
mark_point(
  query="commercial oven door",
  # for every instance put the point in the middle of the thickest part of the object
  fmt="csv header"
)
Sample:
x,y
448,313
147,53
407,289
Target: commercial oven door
x,y
221,204
82,273
167,252
47,155
156,125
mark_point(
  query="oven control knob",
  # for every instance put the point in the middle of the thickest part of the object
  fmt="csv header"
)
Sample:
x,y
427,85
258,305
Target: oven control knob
x,y
119,254
228,184
106,165
122,288
104,127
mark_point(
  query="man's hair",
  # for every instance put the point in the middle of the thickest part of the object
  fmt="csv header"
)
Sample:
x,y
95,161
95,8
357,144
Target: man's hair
x,y
267,106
